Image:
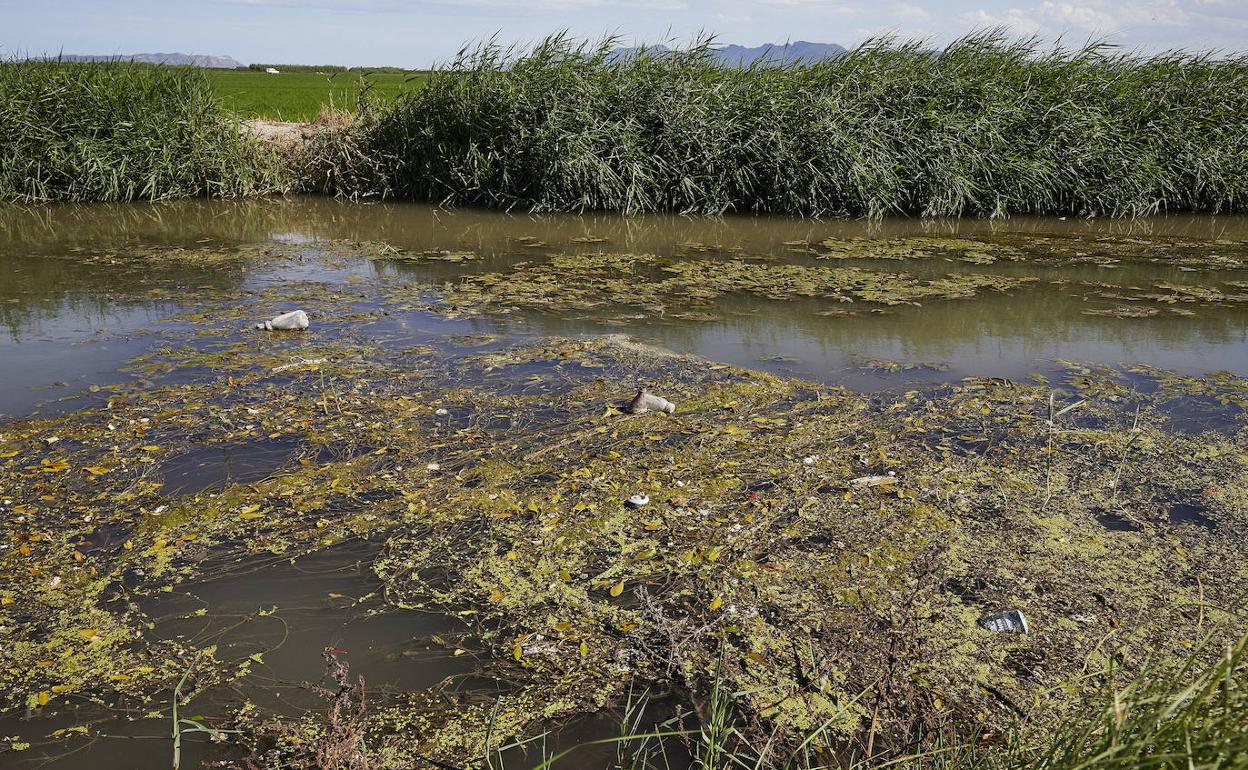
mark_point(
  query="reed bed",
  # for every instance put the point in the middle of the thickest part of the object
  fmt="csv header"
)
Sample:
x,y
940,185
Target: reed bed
x,y
120,131
985,127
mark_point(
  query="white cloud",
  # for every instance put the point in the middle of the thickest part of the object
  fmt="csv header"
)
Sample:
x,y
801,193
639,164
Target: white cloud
x,y
909,13
1016,20
1078,15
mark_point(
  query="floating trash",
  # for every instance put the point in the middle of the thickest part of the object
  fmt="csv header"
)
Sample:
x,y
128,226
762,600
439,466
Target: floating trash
x,y
808,460
638,501
433,467
645,401
1009,622
441,412
295,320
873,481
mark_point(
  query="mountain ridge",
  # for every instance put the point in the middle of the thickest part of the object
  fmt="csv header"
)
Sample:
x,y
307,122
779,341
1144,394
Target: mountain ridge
x,y
171,59
734,55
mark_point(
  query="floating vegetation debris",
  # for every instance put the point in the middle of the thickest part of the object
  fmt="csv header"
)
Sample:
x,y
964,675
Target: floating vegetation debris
x,y
674,288
821,598
823,555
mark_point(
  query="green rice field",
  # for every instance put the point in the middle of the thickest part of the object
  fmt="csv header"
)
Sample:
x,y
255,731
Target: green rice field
x,y
299,96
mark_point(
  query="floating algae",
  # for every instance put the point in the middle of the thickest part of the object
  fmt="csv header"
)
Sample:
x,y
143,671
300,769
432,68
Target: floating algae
x,y
824,601
1056,250
496,484
660,286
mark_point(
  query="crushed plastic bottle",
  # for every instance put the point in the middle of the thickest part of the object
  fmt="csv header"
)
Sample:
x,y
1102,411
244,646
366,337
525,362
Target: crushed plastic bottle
x,y
295,320
1008,622
645,401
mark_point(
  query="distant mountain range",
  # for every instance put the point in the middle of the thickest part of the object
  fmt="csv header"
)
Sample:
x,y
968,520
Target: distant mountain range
x,y
768,53
727,55
172,59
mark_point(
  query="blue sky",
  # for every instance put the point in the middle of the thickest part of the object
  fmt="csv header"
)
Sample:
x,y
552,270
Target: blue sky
x,y
421,32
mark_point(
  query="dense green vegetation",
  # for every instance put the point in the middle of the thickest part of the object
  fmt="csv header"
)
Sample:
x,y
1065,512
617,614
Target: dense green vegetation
x,y
104,132
300,95
985,127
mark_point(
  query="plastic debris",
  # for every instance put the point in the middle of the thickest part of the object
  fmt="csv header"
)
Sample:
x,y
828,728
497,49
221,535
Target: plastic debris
x,y
645,401
299,363
295,320
808,460
433,467
441,412
637,501
1008,622
872,481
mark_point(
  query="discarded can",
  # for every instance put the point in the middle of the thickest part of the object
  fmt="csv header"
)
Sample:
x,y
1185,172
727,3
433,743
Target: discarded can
x,y
295,320
638,501
1009,622
645,401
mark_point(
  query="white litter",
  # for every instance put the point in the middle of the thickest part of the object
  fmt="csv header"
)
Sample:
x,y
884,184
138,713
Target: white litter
x,y
645,401
295,320
872,481
1008,622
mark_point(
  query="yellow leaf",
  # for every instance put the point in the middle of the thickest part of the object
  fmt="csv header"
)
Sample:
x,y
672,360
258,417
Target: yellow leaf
x,y
6,600
617,589
584,649
713,554
150,448
517,652
97,470
459,651
43,697
717,602
250,509
128,545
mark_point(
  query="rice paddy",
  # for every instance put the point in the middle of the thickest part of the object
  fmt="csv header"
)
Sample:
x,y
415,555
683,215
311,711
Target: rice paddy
x,y
301,96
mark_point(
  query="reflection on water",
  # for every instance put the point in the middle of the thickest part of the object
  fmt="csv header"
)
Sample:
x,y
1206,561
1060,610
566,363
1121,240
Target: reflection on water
x,y
72,318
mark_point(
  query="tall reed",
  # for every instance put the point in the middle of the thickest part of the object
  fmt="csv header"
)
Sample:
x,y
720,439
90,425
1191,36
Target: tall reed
x,y
985,127
121,131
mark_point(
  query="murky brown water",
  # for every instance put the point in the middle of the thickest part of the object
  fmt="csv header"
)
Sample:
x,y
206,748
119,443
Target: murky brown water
x,y
67,324
71,323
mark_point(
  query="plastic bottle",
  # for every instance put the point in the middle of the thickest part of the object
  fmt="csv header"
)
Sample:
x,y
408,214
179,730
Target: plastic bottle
x,y
295,320
645,401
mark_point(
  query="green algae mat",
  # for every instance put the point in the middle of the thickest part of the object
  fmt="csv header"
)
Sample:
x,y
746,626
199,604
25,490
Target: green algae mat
x,y
822,555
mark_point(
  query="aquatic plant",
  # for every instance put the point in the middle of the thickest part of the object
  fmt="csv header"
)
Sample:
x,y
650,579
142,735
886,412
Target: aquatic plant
x,y
984,127
107,132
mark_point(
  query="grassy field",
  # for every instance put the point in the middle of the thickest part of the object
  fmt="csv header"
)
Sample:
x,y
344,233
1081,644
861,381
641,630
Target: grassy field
x,y
299,96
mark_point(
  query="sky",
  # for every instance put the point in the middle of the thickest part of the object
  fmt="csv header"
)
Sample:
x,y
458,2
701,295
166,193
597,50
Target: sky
x,y
419,33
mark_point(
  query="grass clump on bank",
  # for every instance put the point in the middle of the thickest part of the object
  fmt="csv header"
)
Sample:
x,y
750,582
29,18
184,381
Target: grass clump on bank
x,y
110,132
986,127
